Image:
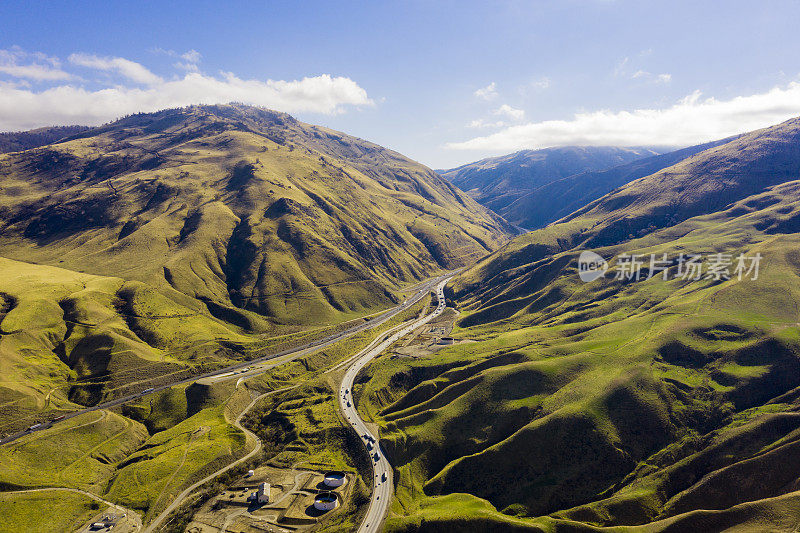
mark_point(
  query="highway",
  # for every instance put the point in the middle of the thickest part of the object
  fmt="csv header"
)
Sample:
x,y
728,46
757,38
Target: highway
x,y
252,365
383,483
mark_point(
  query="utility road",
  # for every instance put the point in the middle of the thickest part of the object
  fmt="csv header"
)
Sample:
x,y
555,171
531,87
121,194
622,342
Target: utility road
x,y
252,367
383,485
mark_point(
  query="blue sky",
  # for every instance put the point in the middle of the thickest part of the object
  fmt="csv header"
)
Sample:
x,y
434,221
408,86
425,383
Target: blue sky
x,y
442,82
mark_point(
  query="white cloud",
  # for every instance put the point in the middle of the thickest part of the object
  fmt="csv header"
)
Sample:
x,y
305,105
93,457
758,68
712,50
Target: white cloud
x,y
43,68
35,72
690,121
125,67
487,93
22,107
647,76
621,70
192,56
189,61
480,123
541,83
621,67
510,112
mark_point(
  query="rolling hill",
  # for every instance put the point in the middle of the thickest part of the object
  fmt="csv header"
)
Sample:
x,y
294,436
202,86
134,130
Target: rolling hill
x,y
497,182
242,209
660,403
167,243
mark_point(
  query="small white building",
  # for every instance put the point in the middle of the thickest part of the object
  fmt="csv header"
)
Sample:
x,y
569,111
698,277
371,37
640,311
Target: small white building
x,y
262,494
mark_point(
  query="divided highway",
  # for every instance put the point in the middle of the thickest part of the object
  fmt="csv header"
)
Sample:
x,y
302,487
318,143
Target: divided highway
x,y
297,351
383,484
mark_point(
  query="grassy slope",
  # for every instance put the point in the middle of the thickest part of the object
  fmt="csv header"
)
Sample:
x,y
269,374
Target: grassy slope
x,y
152,476
614,403
163,244
45,511
114,456
70,337
80,453
25,140
244,211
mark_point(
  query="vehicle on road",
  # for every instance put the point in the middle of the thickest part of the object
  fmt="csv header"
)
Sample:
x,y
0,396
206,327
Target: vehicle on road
x,y
383,477
56,419
151,389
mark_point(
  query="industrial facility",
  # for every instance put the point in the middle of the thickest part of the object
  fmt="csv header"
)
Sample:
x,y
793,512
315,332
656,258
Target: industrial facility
x,y
326,501
335,479
262,494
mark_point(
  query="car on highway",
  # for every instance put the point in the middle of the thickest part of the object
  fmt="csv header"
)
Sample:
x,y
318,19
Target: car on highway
x,y
151,389
35,426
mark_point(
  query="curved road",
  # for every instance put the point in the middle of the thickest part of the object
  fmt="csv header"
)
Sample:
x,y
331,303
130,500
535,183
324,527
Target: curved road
x,y
189,490
383,484
298,352
231,371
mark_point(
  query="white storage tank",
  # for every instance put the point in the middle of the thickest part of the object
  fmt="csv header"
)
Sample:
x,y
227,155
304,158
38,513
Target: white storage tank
x,y
325,501
335,479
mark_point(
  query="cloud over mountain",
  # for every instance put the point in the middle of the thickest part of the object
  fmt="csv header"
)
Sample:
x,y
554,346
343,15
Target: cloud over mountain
x,y
691,120
124,86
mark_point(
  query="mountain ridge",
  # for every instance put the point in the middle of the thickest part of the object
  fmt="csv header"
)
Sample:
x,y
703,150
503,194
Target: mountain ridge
x,y
197,199
497,182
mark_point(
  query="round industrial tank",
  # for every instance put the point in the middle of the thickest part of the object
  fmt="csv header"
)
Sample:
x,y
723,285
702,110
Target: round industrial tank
x,y
325,501
335,479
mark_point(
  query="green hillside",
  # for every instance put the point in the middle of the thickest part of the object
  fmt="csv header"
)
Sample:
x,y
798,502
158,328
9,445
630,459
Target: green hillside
x,y
165,244
243,211
619,402
69,339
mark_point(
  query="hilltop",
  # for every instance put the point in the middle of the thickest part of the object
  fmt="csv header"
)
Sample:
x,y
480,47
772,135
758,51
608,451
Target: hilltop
x,y
558,199
240,208
25,140
497,182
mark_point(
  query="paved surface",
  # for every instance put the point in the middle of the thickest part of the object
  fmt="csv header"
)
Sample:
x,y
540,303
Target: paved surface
x,y
383,484
254,366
